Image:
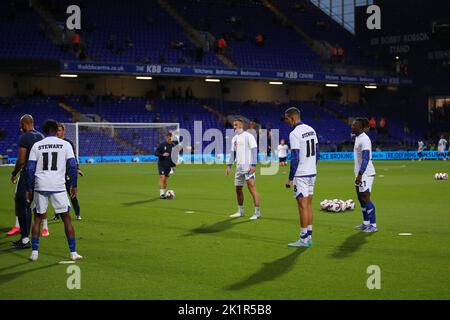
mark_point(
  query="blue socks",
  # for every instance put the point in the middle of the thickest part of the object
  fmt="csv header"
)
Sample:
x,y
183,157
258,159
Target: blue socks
x,y
72,244
35,244
365,215
370,212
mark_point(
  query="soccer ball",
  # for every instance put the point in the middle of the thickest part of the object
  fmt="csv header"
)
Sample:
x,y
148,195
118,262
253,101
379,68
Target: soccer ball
x,y
350,204
330,205
170,194
343,205
324,204
336,207
441,176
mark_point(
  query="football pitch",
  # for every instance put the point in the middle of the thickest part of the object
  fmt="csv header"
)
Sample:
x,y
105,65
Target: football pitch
x,y
136,246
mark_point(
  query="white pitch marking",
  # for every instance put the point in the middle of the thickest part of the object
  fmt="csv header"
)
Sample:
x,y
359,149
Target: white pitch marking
x,y
405,234
381,175
189,212
66,262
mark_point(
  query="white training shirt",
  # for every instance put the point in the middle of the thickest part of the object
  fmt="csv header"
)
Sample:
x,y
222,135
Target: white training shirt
x,y
243,143
304,138
362,142
51,155
421,145
442,145
282,150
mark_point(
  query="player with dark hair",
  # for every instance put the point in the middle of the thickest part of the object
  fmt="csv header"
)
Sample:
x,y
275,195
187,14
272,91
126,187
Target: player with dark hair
x,y
304,157
165,163
22,207
244,151
46,169
282,149
364,174
76,206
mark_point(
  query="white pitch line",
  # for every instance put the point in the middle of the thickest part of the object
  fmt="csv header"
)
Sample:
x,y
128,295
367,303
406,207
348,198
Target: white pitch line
x,y
189,212
405,234
66,262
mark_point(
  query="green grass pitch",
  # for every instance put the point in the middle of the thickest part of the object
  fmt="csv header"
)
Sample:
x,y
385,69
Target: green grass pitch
x,y
139,247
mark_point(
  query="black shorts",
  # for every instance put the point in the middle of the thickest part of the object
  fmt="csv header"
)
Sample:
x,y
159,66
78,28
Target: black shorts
x,y
283,159
164,170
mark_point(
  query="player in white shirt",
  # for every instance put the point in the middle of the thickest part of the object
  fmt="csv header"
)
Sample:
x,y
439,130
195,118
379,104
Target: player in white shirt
x,y
178,146
442,146
420,147
46,171
364,174
304,156
283,149
246,149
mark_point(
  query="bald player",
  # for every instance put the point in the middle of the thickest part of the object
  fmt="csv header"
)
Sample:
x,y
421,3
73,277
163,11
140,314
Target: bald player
x,y
23,210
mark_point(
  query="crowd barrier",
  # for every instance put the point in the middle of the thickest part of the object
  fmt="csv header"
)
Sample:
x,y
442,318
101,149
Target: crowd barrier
x,y
263,158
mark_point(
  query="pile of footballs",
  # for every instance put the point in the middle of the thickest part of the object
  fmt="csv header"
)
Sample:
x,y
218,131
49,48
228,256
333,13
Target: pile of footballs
x,y
337,205
441,176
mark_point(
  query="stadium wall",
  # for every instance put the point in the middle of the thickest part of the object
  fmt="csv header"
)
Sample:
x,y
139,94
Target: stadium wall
x,y
6,86
228,89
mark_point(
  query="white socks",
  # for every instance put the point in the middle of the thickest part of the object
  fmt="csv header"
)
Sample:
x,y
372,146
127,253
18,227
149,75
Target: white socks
x,y
44,224
309,231
162,191
303,233
241,209
17,222
257,211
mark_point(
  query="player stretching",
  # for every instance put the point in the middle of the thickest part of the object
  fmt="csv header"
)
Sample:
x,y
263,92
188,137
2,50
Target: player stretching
x,y
442,146
244,144
302,175
74,200
165,163
420,148
46,171
365,174
282,152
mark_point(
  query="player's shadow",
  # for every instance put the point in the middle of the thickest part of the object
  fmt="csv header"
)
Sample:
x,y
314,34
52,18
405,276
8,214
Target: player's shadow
x,y
269,271
7,250
13,266
216,227
136,203
351,245
13,275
